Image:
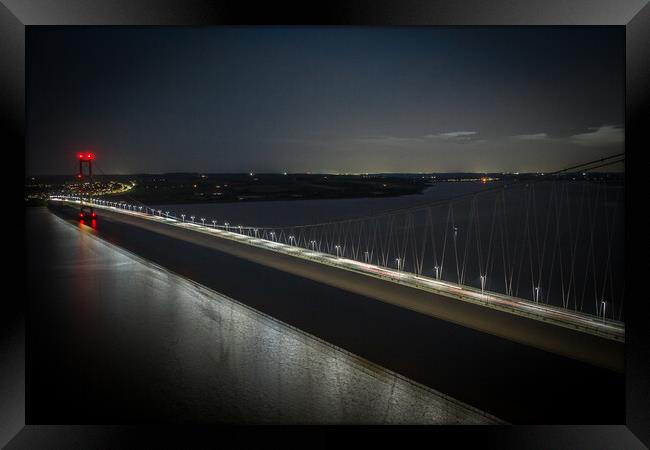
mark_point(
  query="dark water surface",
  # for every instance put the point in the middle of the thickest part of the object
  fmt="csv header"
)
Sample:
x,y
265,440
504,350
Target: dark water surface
x,y
109,356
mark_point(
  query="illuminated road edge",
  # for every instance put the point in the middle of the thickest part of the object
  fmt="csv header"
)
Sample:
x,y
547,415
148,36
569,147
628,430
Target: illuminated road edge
x,y
607,329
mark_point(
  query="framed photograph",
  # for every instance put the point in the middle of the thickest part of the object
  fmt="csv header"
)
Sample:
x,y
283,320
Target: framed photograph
x,y
259,222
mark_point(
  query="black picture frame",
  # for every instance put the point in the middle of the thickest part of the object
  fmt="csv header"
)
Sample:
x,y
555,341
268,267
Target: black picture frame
x,y
17,15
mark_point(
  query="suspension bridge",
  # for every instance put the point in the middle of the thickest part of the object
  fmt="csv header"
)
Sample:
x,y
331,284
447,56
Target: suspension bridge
x,y
537,262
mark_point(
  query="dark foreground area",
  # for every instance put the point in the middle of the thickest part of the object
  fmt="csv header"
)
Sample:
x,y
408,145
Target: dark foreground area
x,y
511,381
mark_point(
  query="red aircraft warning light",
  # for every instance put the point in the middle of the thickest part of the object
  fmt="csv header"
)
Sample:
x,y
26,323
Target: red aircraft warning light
x,y
85,162
88,156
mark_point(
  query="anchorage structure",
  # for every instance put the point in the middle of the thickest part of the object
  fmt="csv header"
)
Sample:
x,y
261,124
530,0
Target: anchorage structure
x,y
86,161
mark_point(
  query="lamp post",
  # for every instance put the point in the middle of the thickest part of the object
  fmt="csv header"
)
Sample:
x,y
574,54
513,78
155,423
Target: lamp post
x,y
227,225
214,224
338,248
398,260
366,257
183,217
483,277
604,304
437,269
313,245
536,294
292,239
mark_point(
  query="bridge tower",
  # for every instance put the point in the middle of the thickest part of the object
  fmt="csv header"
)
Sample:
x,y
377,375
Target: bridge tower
x,y
86,162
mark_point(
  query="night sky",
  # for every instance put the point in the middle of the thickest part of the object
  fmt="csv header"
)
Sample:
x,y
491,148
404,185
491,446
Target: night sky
x,y
323,99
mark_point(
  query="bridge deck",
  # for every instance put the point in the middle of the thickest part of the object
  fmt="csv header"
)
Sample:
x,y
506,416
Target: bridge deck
x,y
607,329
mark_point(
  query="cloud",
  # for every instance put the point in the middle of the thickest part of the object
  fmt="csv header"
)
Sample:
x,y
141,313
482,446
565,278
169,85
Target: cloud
x,y
453,135
603,136
399,140
388,140
531,137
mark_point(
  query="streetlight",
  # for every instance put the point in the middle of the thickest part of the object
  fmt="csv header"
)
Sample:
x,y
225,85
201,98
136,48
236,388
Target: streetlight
x,y
337,247
227,224
202,221
292,238
167,214
604,303
255,230
272,235
240,227
366,256
192,217
214,224
483,277
397,260
436,268
183,217
537,294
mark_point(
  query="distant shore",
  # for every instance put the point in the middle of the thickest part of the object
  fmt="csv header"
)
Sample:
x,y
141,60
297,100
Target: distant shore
x,y
184,188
